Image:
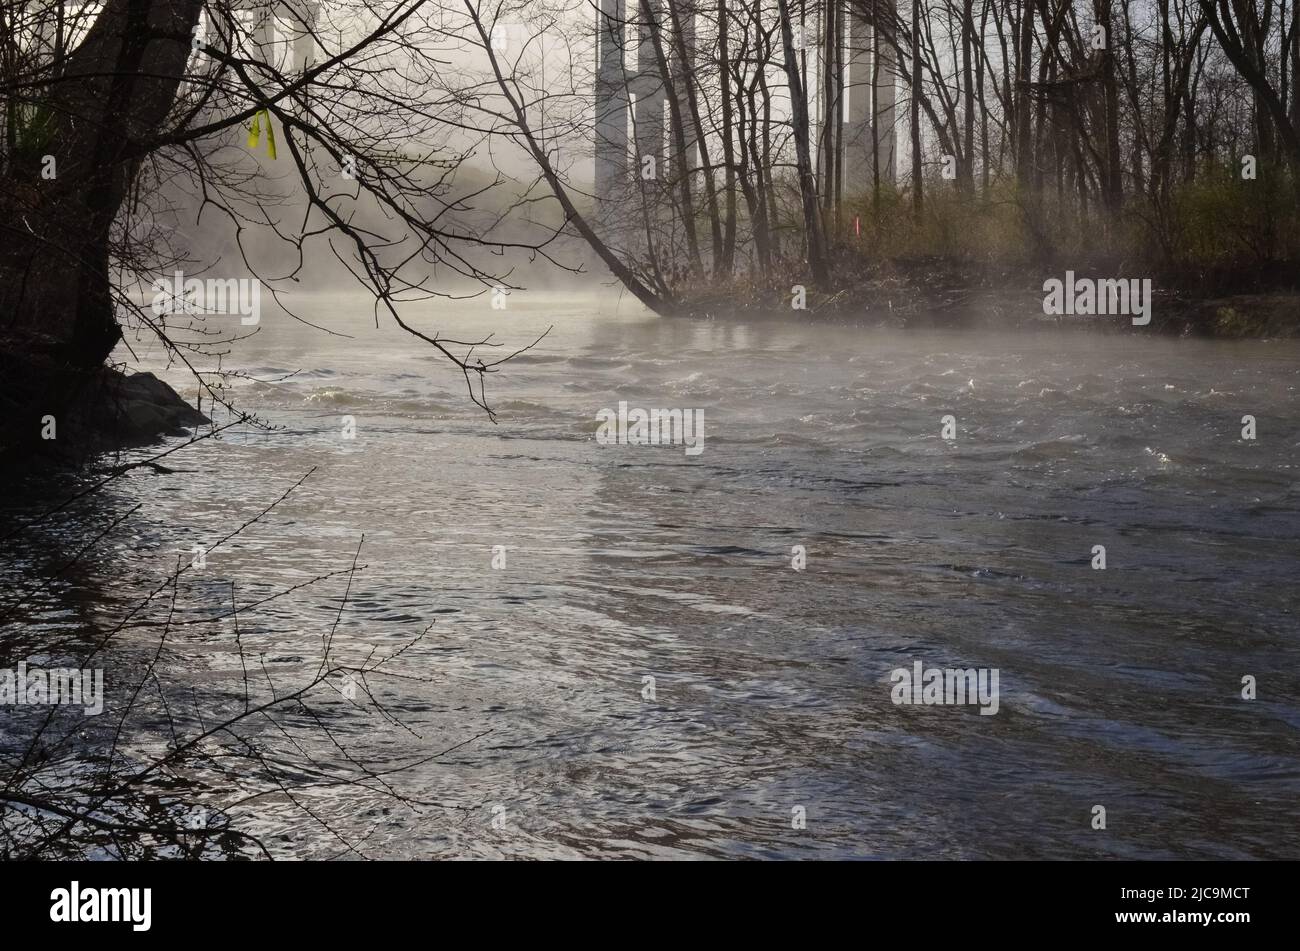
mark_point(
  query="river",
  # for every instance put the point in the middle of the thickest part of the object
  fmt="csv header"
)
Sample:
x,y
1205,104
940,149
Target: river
x,y
768,728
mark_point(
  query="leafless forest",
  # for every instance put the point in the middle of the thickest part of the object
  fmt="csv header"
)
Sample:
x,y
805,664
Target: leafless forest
x,y
420,140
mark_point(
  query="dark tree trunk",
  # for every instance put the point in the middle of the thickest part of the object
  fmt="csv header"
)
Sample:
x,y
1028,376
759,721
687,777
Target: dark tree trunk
x,y
1114,183
686,56
681,166
807,180
968,82
917,197
728,146
1023,115
56,304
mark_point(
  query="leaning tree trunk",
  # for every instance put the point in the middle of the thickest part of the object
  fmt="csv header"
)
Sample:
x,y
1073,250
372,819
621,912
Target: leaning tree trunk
x,y
91,129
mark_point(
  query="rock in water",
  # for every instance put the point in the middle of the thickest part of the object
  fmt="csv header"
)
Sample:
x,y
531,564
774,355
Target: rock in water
x,y
140,408
101,411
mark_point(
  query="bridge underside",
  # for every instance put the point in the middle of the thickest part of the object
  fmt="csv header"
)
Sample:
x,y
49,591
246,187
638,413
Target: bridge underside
x,y
290,21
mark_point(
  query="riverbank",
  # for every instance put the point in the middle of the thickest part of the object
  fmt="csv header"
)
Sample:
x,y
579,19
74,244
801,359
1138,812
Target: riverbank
x,y
933,293
56,417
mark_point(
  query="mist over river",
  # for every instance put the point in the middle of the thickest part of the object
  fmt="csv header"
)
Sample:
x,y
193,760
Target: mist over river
x,y
771,690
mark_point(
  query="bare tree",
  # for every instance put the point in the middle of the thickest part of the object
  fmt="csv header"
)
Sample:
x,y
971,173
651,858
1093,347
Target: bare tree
x,y
73,787
108,112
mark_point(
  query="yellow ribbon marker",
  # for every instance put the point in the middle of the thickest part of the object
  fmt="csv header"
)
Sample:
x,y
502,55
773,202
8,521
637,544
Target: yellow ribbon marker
x,y
255,132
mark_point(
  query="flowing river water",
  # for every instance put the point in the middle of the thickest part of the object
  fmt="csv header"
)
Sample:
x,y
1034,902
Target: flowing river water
x,y
768,729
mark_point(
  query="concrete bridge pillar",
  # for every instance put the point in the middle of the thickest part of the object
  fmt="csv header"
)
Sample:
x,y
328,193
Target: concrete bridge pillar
x,y
297,19
872,74
611,173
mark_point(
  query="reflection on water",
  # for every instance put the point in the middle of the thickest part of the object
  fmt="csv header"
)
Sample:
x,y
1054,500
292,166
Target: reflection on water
x,y
1119,687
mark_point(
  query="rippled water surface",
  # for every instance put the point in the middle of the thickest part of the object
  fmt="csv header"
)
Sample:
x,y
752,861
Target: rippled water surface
x,y
1119,687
